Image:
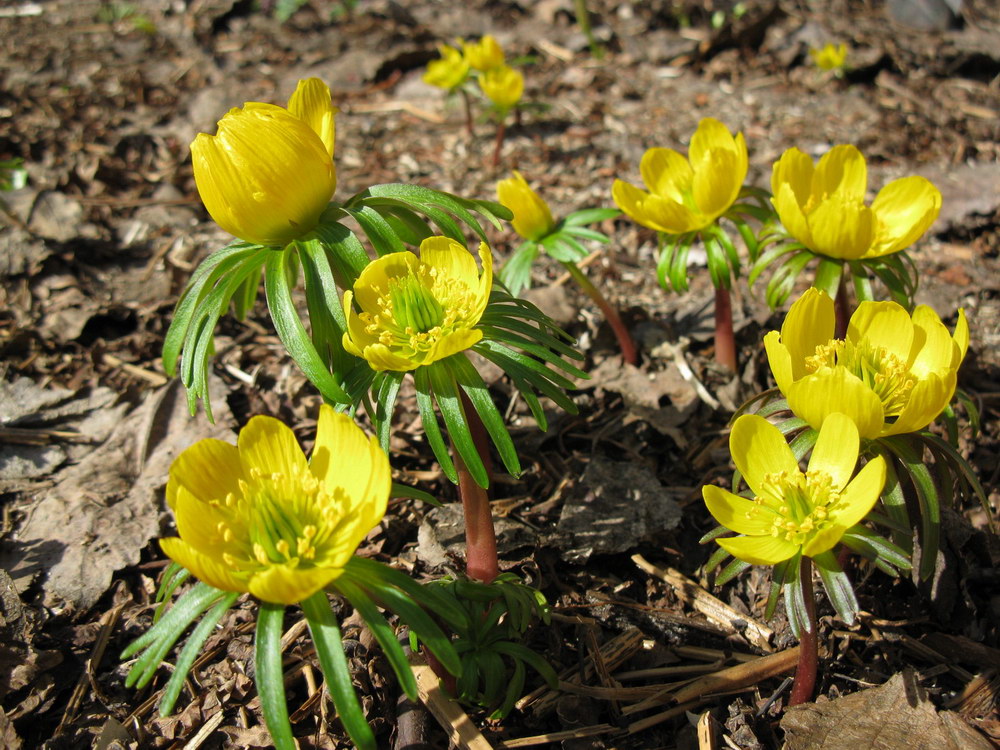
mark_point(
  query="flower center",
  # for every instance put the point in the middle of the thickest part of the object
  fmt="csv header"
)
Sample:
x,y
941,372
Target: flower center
x,y
882,371
801,502
280,519
413,305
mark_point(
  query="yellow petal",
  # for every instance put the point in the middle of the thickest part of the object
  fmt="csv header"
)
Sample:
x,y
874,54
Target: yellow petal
x,y
717,183
758,449
884,325
939,352
737,513
485,54
836,449
266,177
927,400
503,86
962,335
455,342
904,210
269,446
708,140
795,170
631,200
283,584
841,228
207,569
759,550
198,524
834,389
666,173
780,360
485,282
855,503
790,213
451,259
810,323
841,171
311,103
373,281
347,458
209,470
380,357
532,217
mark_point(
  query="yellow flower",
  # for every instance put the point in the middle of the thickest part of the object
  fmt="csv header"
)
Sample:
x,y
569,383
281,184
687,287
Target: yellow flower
x,y
793,511
687,194
258,517
449,71
824,207
415,311
268,174
486,54
503,86
893,374
830,56
532,218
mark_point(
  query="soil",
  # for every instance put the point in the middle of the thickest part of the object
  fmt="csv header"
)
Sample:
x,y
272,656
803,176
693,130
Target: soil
x,y
101,101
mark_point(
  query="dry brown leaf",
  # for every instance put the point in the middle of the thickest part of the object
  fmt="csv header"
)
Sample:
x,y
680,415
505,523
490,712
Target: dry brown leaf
x,y
893,716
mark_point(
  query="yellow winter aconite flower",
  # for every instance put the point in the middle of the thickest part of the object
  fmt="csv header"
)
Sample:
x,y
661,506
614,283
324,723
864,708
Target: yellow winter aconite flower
x,y
830,56
449,71
267,174
893,374
687,194
503,86
792,511
485,54
416,311
823,207
258,517
532,218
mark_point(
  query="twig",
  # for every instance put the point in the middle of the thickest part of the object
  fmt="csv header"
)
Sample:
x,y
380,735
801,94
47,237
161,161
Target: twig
x,y
593,730
461,731
718,612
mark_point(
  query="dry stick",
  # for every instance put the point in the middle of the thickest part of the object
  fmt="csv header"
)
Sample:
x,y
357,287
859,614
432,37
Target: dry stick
x,y
725,343
805,673
717,611
727,680
461,731
411,719
481,561
842,308
625,342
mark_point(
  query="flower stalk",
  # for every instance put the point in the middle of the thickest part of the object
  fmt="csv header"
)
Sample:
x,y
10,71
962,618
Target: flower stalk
x,y
805,672
725,340
481,558
625,342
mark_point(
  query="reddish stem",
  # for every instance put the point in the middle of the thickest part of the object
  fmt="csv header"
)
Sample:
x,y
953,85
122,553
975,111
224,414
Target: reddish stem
x,y
625,342
805,673
842,308
725,342
501,132
480,536
468,111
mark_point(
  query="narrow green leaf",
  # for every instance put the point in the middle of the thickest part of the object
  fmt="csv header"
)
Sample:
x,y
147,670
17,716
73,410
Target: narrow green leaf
x,y
450,406
377,229
190,652
330,650
928,500
383,634
838,586
475,389
590,216
432,430
516,272
270,676
291,331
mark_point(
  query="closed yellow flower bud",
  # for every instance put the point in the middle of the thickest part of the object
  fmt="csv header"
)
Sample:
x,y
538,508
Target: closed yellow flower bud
x,y
823,206
830,56
267,174
687,194
485,54
503,86
532,218
449,71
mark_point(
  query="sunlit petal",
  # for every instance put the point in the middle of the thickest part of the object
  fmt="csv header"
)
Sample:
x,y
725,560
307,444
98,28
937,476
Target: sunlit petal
x,y
904,210
841,171
737,513
833,389
268,445
759,550
209,470
759,449
836,449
